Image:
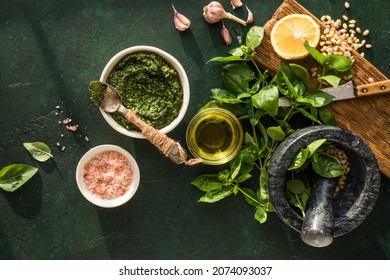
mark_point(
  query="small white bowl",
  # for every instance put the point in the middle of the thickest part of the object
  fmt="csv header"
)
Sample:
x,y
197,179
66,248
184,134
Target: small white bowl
x,y
172,61
106,203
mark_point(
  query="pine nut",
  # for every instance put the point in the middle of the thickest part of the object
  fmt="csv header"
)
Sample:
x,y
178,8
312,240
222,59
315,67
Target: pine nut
x,y
345,18
346,5
368,46
358,30
366,32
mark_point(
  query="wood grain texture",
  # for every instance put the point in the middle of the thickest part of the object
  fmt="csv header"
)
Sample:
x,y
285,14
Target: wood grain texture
x,y
368,117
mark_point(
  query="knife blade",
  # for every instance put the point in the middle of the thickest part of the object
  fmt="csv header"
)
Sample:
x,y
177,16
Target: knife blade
x,y
347,91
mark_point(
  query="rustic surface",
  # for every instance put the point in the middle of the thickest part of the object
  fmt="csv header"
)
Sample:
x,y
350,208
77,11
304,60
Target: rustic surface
x,y
368,117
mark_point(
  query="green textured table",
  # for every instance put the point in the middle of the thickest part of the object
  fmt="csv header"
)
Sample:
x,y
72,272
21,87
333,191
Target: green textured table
x,y
50,50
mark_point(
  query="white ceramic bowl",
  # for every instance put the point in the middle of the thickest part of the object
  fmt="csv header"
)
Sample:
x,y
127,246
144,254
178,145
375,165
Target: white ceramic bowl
x,y
107,203
171,60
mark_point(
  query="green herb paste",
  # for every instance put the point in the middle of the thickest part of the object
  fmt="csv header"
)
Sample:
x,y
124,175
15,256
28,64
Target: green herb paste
x,y
150,87
96,92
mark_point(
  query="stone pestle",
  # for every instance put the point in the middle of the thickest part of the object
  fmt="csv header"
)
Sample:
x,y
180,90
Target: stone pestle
x,y
317,226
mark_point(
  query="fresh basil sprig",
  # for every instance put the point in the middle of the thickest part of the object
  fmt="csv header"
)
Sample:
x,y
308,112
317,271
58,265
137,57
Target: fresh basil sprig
x,y
254,98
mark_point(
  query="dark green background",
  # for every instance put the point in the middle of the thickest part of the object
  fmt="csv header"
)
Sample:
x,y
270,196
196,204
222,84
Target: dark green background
x,y
49,52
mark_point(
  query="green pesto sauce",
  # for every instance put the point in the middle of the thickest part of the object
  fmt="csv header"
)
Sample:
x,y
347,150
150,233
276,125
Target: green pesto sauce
x,y
150,87
96,92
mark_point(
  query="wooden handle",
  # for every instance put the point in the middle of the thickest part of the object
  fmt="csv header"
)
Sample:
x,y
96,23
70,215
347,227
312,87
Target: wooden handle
x,y
373,88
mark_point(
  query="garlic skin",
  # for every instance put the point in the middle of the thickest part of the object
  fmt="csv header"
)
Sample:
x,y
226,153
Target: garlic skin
x,y
249,19
226,35
214,12
182,23
236,3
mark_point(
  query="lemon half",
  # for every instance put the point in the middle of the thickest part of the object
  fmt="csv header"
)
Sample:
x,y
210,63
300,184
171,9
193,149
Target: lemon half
x,y
289,34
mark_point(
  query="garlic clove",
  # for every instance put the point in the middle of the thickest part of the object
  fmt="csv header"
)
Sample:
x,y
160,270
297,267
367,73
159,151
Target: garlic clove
x,y
236,3
182,23
249,19
226,34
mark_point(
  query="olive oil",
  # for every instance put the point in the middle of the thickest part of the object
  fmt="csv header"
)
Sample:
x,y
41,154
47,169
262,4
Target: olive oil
x,y
214,135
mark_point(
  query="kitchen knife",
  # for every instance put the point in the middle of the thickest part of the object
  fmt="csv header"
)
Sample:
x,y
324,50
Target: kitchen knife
x,y
347,91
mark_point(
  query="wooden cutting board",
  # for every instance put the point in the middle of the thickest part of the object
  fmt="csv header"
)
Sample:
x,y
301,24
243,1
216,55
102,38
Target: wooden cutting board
x,y
368,117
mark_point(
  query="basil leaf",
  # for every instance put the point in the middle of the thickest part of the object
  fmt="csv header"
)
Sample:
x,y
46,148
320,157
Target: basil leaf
x,y
225,58
300,89
261,215
235,166
316,54
241,69
250,196
339,63
14,176
313,146
295,186
207,182
263,182
243,177
327,116
224,96
327,166
249,157
234,82
276,133
267,99
39,150
254,37
317,98
237,52
216,195
299,159
280,79
291,90
301,72
332,79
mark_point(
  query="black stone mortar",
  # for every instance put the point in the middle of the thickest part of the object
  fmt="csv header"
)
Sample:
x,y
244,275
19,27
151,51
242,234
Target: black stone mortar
x,y
353,203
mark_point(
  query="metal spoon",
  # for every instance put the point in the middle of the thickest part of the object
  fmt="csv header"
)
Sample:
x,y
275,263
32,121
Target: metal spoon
x,y
112,102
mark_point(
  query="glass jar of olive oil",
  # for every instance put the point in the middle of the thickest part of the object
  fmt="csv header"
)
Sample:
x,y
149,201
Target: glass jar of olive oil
x,y
215,135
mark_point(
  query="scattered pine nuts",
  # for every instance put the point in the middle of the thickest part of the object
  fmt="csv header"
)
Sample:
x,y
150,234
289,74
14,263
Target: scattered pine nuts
x,y
342,37
344,161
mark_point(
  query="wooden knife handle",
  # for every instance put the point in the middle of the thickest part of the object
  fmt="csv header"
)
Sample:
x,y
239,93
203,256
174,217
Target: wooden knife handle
x,y
373,88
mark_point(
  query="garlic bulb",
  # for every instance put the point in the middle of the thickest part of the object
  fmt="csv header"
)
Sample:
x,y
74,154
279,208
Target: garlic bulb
x,y
214,12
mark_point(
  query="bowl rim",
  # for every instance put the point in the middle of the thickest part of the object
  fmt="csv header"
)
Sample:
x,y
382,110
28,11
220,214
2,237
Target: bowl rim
x,y
107,203
173,62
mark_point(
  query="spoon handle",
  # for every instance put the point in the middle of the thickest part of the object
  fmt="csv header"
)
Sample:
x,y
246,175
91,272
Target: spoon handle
x,y
169,147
